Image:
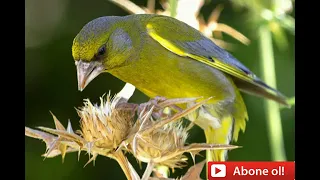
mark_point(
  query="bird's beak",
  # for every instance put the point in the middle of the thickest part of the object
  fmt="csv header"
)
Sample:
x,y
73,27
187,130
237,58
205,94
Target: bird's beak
x,y
87,71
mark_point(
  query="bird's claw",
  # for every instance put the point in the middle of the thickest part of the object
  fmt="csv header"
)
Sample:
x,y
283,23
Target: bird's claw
x,y
159,103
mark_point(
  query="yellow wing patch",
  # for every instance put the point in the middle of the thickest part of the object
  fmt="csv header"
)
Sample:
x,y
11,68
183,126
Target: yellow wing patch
x,y
165,43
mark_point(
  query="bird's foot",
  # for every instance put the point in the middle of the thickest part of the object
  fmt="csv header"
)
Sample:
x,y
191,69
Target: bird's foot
x,y
163,106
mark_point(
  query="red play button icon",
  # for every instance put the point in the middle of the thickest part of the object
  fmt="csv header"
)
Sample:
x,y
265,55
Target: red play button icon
x,y
218,170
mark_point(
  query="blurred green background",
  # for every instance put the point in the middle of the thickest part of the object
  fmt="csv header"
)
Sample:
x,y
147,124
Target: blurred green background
x,y
51,84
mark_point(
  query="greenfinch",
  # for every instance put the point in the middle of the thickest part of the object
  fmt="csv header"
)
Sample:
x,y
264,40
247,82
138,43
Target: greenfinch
x,y
162,56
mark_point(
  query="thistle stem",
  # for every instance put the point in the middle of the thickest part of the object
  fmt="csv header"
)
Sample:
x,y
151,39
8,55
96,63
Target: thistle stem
x,y
208,153
129,6
148,171
124,164
272,109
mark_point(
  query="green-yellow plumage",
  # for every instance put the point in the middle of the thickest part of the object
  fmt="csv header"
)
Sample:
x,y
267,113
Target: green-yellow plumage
x,y
162,56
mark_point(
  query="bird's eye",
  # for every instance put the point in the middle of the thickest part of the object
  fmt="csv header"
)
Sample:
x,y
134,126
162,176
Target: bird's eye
x,y
102,50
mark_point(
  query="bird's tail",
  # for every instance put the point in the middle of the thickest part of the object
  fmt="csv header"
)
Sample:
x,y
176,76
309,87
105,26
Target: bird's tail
x,y
260,89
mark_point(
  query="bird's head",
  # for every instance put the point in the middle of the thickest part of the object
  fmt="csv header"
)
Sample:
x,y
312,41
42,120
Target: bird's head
x,y
101,45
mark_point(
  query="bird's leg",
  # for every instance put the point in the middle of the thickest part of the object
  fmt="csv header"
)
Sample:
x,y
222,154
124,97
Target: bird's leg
x,y
158,109
127,106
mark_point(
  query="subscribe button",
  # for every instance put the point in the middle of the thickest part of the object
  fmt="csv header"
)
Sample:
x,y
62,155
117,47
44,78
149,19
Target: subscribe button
x,y
251,170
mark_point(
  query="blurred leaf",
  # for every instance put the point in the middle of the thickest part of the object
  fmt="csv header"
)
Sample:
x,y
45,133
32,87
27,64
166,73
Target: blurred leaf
x,y
282,6
287,22
255,6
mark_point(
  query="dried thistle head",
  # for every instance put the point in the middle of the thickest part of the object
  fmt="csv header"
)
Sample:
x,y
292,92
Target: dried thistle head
x,y
106,125
161,145
110,128
163,141
103,128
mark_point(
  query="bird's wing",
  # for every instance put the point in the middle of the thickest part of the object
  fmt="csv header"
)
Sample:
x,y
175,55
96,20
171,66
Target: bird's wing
x,y
184,40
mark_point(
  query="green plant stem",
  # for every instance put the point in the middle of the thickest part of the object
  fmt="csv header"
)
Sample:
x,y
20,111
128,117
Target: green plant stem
x,y
173,7
272,109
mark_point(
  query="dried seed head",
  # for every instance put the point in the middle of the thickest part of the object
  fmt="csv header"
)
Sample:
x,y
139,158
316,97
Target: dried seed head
x,y
163,141
106,125
109,128
161,145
